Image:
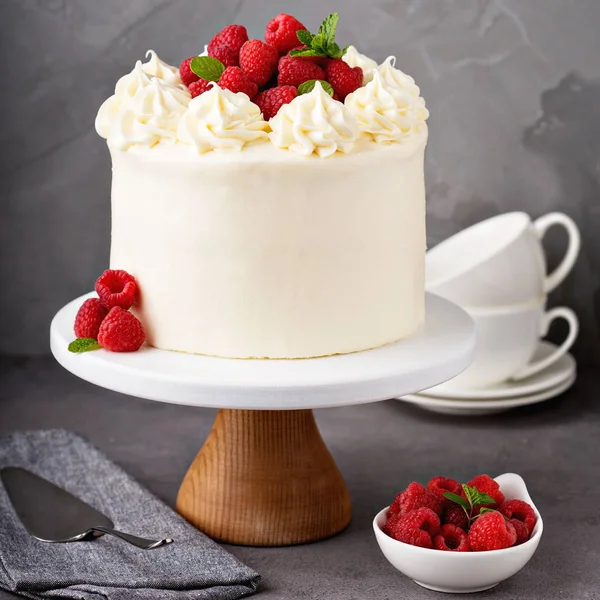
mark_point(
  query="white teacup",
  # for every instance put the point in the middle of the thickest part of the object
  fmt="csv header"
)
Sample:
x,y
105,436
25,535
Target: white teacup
x,y
499,262
506,341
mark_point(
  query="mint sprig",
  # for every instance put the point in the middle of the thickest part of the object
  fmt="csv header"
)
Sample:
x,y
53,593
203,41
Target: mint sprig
x,y
309,86
207,67
323,42
474,499
83,345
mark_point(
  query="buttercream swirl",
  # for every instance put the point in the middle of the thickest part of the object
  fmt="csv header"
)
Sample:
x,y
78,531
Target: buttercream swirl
x,y
221,120
354,58
314,122
379,114
155,67
404,89
149,116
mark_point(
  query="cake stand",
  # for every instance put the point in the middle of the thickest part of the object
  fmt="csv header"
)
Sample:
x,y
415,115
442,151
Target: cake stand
x,y
264,476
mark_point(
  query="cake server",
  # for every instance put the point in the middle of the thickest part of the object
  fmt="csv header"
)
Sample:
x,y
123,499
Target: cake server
x,y
51,514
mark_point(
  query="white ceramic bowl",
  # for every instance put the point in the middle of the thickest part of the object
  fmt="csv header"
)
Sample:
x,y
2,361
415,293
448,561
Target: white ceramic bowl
x,y
462,572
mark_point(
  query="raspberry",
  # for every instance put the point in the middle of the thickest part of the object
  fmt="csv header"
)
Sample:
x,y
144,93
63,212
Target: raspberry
x,y
416,496
416,528
455,515
294,70
491,531
486,485
522,531
281,32
234,36
451,538
391,523
259,61
235,80
520,510
199,87
441,485
187,75
226,54
121,331
343,78
116,288
89,317
271,100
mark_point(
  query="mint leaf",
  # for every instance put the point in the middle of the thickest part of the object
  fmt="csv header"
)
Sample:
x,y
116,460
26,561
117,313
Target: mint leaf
x,y
484,498
309,86
459,500
334,50
305,37
470,493
319,44
486,510
306,52
83,345
329,25
207,67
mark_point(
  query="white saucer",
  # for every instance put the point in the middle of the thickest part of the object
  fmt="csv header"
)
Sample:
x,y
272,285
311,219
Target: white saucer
x,y
559,372
473,408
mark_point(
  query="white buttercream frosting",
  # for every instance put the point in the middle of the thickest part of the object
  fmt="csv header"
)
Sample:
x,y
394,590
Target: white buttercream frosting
x,y
404,88
381,114
155,67
145,115
221,120
354,58
314,123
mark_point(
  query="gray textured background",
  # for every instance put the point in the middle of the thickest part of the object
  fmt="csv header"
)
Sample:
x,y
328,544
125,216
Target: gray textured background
x,y
513,88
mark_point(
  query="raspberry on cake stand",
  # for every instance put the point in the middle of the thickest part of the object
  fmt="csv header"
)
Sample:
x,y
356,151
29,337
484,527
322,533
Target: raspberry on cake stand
x,y
264,476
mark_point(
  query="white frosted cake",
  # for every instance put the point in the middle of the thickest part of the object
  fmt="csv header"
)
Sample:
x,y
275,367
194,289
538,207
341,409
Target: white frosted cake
x,y
300,236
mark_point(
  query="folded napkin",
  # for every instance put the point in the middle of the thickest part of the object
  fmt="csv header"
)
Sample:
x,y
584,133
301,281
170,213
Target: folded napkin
x,y
191,568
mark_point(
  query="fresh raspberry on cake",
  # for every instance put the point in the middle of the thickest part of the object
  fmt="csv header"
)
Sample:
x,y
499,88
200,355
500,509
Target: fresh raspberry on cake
x,y
185,72
343,78
199,87
416,528
455,515
271,100
451,538
441,485
89,318
281,32
294,70
521,510
259,61
416,496
121,331
522,531
116,288
226,54
486,485
235,80
234,36
491,531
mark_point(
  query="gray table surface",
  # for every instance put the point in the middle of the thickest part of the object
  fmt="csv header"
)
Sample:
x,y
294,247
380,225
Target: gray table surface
x,y
379,448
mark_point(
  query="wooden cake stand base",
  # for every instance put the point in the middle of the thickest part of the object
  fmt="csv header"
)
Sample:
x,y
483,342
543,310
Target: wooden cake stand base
x,y
265,478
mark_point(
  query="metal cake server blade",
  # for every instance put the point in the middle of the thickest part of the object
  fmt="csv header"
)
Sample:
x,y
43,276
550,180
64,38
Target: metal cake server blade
x,y
51,514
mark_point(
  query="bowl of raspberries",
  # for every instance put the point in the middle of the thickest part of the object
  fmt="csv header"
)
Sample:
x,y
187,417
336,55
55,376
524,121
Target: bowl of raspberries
x,y
460,538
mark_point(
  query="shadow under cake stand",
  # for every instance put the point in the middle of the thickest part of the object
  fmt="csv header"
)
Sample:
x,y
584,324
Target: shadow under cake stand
x,y
264,476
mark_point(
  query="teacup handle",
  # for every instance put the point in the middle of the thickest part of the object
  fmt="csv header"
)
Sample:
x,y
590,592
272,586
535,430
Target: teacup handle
x,y
570,317
542,225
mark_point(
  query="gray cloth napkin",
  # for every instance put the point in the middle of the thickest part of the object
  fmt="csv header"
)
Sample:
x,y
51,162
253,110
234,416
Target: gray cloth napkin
x,y
191,568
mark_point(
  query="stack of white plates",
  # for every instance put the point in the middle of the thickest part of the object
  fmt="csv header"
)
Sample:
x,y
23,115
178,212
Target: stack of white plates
x,y
546,384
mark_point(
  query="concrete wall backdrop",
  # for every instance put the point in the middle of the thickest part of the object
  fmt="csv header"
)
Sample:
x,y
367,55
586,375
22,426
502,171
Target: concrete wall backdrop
x,y
513,88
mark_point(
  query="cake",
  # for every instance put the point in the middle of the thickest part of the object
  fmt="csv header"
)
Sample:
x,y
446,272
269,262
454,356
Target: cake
x,y
288,227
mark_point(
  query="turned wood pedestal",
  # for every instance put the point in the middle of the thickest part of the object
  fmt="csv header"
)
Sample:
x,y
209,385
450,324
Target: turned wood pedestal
x,y
265,478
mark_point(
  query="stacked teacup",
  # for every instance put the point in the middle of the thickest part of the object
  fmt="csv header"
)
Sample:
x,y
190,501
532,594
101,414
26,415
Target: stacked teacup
x,y
496,271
